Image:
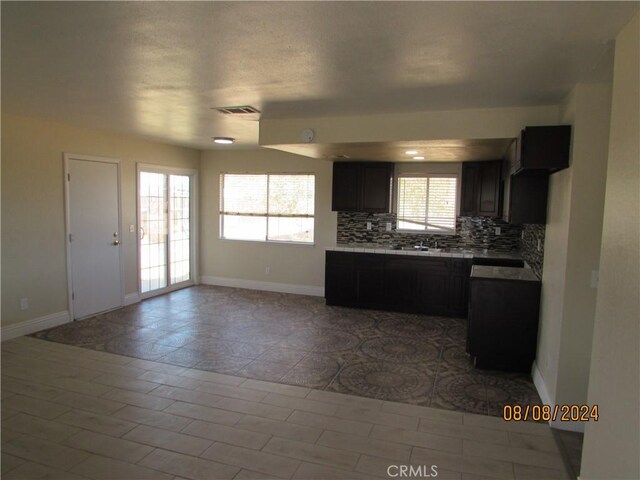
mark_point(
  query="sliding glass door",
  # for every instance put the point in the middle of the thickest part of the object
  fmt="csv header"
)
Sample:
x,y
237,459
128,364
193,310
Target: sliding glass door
x,y
166,239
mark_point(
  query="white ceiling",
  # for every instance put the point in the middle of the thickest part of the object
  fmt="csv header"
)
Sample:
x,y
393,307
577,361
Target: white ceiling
x,y
155,69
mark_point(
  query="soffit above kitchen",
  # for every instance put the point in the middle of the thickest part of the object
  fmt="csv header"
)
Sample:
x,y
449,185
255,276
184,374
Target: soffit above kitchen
x,y
158,69
454,150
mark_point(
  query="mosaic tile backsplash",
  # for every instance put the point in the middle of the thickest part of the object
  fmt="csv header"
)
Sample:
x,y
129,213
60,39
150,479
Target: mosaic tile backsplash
x,y
471,232
532,235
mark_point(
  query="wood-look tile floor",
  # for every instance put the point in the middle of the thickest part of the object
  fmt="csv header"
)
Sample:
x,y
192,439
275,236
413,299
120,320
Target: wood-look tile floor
x,y
72,413
298,340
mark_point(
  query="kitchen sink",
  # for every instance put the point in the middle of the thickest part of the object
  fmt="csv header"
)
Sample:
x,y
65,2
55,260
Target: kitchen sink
x,y
419,248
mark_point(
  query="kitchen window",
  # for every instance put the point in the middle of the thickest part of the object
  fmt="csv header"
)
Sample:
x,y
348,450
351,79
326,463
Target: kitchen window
x,y
267,207
427,203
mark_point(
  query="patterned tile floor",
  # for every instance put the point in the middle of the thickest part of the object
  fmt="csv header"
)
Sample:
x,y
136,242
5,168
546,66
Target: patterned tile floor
x,y
298,340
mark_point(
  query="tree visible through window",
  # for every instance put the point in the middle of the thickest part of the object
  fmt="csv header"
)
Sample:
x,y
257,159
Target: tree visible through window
x,y
427,203
265,207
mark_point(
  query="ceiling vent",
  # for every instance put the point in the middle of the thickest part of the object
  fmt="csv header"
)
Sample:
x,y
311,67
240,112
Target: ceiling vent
x,y
241,110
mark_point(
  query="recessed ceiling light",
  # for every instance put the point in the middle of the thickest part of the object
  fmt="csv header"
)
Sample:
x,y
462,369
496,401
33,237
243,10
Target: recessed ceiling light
x,y
411,152
225,140
418,158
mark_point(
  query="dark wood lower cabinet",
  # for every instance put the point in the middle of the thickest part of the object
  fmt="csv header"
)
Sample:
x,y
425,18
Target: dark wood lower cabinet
x,y
435,286
503,323
400,278
369,276
432,292
340,278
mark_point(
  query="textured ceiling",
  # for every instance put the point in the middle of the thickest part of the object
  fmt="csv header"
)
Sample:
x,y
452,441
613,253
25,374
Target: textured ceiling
x,y
155,69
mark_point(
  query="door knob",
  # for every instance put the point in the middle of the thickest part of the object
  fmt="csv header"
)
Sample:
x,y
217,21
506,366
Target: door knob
x,y
116,242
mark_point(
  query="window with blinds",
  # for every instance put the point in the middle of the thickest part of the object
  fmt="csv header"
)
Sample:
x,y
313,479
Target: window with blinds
x,y
427,203
267,208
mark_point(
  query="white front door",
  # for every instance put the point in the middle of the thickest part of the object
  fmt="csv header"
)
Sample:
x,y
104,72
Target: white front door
x,y
94,235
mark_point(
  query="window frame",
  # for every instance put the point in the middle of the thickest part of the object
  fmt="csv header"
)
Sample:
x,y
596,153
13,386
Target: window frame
x,y
222,213
455,176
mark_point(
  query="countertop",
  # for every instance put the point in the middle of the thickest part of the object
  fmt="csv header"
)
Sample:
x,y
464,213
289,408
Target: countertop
x,y
503,273
448,252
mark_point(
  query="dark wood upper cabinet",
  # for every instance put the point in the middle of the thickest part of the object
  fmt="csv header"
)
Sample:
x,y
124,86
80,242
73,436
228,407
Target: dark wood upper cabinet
x,y
539,152
469,197
345,187
362,187
481,189
543,149
528,198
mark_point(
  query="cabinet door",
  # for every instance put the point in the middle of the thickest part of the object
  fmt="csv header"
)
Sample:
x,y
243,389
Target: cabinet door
x,y
345,194
432,285
528,198
458,295
339,283
469,200
376,187
489,189
400,283
432,292
546,147
369,273
459,287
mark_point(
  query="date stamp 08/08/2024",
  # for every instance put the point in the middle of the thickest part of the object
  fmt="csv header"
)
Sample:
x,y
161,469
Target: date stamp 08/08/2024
x,y
546,413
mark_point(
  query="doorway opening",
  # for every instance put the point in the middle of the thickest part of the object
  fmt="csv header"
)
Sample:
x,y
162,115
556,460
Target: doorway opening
x,y
166,229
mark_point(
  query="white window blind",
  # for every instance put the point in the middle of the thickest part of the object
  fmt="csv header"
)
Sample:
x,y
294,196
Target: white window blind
x,y
427,203
266,207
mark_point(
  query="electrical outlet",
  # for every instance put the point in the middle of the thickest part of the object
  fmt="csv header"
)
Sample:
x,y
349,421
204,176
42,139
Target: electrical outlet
x,y
267,270
368,225
388,226
24,303
132,229
539,245
498,230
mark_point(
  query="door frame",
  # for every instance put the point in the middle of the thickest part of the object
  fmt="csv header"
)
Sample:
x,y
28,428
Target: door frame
x,y
193,227
67,222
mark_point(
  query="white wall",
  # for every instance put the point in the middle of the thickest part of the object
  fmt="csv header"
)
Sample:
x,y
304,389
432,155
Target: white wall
x,y
612,445
572,250
33,237
297,268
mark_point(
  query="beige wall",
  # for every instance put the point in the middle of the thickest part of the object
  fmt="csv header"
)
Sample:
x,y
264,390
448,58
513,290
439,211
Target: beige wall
x,y
589,171
572,248
612,444
436,125
553,281
298,265
33,237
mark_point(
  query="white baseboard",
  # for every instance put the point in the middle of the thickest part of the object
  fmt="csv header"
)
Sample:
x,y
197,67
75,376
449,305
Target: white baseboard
x,y
34,325
265,286
131,298
541,387
538,381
